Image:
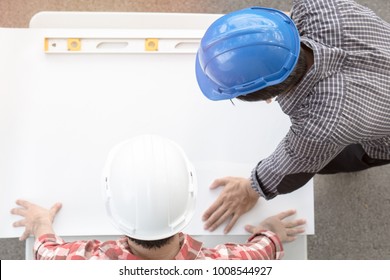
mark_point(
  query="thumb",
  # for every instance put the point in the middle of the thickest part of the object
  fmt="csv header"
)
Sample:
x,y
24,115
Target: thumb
x,y
249,228
55,208
218,183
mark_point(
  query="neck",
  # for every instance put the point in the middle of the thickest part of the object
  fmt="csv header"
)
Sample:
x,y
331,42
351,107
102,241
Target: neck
x,y
166,252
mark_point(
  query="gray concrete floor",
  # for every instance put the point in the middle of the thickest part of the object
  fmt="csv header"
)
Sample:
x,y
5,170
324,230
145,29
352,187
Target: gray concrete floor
x,y
352,216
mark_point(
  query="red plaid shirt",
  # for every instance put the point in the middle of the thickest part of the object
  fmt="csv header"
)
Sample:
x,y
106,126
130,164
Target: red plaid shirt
x,y
264,246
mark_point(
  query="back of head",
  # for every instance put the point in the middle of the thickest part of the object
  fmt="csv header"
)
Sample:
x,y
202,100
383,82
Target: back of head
x,y
245,51
149,187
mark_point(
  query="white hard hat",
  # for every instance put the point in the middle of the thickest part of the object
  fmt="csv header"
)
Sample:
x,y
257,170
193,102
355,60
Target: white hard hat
x,y
149,187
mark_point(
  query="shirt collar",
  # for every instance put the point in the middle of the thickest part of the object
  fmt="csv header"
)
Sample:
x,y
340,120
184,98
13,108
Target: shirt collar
x,y
189,250
292,100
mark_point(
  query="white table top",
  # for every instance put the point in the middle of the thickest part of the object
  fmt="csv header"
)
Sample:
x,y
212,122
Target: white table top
x,y
61,113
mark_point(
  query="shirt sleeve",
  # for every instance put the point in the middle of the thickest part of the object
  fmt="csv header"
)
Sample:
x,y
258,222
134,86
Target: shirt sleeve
x,y
294,162
264,245
316,19
52,247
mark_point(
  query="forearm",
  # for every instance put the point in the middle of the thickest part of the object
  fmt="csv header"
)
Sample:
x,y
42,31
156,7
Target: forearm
x,y
46,241
267,244
294,162
53,247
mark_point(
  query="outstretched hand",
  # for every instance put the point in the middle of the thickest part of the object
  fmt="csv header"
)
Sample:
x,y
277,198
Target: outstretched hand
x,y
236,198
37,220
287,231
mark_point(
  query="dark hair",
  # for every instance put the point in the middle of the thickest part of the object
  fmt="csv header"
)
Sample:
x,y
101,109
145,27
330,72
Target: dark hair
x,y
151,244
272,91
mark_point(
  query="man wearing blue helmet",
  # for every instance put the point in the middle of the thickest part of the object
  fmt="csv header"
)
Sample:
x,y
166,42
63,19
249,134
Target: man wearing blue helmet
x,y
328,65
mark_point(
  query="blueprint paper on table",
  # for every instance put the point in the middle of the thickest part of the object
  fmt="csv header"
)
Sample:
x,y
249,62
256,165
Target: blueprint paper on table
x,y
60,114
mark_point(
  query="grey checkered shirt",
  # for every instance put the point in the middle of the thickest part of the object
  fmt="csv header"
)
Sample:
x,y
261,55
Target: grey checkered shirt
x,y
343,99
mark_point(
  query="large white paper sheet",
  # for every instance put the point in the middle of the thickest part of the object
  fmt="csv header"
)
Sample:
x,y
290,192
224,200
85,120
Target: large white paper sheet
x,y
61,113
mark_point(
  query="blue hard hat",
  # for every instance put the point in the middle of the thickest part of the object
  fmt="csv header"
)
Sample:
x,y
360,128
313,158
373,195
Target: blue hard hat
x,y
245,51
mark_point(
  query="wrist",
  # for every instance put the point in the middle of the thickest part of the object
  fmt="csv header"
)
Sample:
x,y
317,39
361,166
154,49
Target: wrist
x,y
261,232
256,184
42,227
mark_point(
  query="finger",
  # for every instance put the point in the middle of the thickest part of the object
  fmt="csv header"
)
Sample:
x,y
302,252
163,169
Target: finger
x,y
23,203
212,209
294,231
250,228
231,223
24,236
217,218
219,182
285,214
18,211
55,208
299,222
290,238
20,223
294,223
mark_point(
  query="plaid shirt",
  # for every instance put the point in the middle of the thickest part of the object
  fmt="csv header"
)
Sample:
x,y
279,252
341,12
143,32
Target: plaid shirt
x,y
343,99
262,246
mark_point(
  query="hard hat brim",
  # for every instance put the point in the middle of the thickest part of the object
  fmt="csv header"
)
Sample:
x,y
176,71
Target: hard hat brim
x,y
207,86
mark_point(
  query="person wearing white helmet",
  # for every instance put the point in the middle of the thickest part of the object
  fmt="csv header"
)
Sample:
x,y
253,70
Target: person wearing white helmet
x,y
150,193
329,67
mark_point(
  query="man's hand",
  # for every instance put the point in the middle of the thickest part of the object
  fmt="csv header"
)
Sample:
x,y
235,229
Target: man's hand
x,y
37,220
286,230
236,198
